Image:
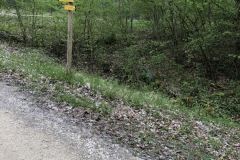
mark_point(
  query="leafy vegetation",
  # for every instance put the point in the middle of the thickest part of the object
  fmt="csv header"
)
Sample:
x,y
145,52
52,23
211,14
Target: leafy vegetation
x,y
155,56
185,49
145,120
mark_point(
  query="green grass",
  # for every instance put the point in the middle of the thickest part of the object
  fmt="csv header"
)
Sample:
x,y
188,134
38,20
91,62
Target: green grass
x,y
41,72
41,68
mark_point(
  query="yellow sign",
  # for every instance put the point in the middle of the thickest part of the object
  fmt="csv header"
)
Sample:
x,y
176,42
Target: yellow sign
x,y
69,8
65,0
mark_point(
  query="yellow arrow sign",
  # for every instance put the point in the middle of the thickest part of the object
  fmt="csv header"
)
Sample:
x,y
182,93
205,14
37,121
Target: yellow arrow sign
x,y
69,8
65,0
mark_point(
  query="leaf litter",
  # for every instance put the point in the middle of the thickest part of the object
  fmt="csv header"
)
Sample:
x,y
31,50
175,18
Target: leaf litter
x,y
172,135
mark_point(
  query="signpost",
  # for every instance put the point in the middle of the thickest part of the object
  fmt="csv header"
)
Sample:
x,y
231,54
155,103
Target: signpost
x,y
65,0
70,8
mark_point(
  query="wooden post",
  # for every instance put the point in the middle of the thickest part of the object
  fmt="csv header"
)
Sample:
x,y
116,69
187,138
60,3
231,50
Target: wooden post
x,y
69,43
70,8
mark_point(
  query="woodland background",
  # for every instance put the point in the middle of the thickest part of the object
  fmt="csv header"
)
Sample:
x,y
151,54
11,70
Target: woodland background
x,y
186,49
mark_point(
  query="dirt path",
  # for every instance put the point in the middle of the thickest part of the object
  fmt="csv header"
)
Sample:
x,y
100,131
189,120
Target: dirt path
x,y
30,133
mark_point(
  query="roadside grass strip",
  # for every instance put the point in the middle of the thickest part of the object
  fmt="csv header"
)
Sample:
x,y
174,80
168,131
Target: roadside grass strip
x,y
157,121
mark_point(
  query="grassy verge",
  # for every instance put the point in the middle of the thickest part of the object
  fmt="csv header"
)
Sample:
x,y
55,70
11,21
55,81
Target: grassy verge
x,y
145,120
40,68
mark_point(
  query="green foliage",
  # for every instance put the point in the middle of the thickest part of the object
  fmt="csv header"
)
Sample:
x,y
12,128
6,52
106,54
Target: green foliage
x,y
146,44
44,73
201,28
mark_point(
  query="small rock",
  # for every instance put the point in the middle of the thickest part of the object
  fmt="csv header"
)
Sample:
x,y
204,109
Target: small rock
x,y
166,148
87,85
236,145
165,153
199,123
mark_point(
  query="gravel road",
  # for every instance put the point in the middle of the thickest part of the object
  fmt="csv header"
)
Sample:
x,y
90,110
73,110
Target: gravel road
x,y
29,133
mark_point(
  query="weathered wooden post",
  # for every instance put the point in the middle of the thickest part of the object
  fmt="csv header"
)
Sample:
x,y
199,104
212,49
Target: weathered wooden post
x,y
70,9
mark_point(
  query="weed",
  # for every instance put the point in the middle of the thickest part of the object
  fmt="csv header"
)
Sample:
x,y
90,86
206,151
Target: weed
x,y
58,87
215,143
42,71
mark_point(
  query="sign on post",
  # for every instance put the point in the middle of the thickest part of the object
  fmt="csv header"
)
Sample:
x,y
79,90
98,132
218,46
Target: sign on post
x,y
70,9
65,0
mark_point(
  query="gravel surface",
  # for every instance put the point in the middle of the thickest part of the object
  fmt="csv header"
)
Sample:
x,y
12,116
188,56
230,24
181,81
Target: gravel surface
x,y
28,132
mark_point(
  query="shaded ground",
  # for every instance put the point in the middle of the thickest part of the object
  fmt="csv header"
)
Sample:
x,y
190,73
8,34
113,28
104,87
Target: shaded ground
x,y
162,134
28,132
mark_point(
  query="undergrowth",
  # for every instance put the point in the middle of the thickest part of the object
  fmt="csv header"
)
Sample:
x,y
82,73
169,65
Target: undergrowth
x,y
42,73
45,70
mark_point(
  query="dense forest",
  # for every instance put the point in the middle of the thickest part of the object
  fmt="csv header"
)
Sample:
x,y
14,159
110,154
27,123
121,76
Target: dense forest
x,y
186,49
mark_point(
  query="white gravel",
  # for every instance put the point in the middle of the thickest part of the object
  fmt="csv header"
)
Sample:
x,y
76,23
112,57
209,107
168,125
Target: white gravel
x,y
30,133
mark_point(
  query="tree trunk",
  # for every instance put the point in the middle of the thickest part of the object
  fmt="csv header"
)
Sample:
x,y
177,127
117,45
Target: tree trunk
x,y
156,22
19,16
237,43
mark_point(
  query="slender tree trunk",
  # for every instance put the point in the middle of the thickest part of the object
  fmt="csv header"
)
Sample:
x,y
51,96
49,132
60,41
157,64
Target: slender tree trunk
x,y
131,24
34,40
237,44
126,25
174,27
85,25
206,63
156,22
19,16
